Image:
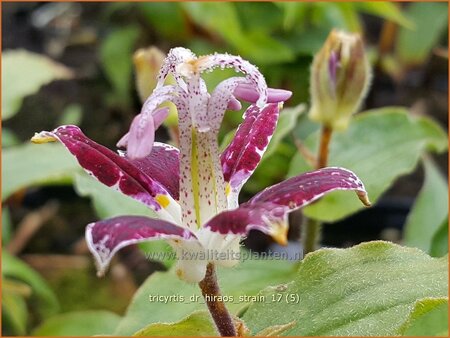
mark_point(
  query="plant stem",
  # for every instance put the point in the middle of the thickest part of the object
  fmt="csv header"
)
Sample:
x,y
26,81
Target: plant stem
x,y
325,138
311,229
211,294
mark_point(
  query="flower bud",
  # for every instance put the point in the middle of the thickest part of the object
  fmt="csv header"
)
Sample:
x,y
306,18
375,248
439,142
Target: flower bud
x,y
340,77
147,63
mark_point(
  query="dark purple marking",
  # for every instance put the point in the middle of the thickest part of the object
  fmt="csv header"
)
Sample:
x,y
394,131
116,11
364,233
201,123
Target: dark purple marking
x,y
163,165
110,168
244,153
106,237
240,221
304,189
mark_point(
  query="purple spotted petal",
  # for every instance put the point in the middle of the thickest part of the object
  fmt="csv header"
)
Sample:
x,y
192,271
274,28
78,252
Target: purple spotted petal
x,y
268,218
247,217
248,93
252,74
244,153
163,166
108,167
105,238
304,189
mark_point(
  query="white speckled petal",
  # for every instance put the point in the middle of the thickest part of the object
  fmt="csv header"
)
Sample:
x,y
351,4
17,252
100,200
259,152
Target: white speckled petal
x,y
306,188
240,65
106,237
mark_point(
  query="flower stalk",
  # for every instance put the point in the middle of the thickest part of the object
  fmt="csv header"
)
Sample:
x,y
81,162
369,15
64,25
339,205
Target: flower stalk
x,y
325,138
212,295
340,78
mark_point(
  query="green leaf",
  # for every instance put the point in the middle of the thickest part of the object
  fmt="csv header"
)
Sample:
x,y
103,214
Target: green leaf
x,y
294,12
9,138
167,19
13,267
23,73
439,243
367,290
116,57
259,49
72,114
15,311
220,18
196,324
386,10
246,279
429,211
414,45
379,146
108,202
429,317
286,123
79,323
31,164
350,16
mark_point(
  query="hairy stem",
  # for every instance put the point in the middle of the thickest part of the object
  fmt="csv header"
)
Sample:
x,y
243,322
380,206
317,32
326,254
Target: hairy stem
x,y
311,233
219,313
325,138
311,229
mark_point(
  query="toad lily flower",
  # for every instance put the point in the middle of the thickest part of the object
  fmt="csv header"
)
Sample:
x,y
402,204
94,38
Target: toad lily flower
x,y
194,190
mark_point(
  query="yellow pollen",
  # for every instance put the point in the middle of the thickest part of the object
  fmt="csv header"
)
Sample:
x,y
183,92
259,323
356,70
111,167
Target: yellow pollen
x,y
39,138
279,233
162,200
227,189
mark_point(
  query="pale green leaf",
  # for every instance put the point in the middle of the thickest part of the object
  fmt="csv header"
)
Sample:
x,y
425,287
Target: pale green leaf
x,y
439,243
367,290
414,45
109,202
32,164
13,267
246,279
116,56
197,324
429,317
23,73
80,323
9,138
72,114
429,211
379,146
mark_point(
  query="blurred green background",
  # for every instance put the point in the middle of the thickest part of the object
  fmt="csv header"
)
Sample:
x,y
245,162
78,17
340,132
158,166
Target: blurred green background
x,y
71,63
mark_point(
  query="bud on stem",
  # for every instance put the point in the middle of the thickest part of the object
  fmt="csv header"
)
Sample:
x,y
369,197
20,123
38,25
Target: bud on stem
x,y
340,77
